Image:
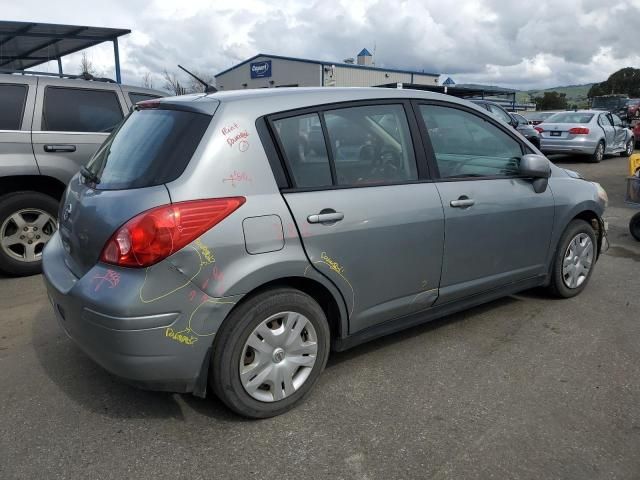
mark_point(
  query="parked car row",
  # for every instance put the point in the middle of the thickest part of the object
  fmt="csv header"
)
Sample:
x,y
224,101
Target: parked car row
x,y
232,239
49,128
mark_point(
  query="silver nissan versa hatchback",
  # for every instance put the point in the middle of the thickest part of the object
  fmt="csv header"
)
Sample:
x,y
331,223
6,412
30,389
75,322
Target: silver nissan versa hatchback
x,y
231,240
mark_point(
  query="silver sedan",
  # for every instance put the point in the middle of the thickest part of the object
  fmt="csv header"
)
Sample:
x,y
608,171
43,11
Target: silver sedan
x,y
585,132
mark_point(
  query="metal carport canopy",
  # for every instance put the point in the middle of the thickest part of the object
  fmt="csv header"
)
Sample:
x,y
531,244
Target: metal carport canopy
x,y
25,45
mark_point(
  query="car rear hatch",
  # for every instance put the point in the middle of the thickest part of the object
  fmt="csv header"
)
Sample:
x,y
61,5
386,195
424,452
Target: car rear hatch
x,y
562,131
127,176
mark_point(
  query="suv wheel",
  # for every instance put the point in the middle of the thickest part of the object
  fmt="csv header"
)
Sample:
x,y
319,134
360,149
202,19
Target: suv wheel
x,y
574,261
27,222
598,154
269,353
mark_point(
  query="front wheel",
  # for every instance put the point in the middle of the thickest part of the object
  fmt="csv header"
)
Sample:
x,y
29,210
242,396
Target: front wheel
x,y
634,226
27,222
628,149
269,353
574,260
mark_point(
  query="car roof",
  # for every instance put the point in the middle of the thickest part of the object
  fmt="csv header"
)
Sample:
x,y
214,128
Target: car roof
x,y
76,82
270,100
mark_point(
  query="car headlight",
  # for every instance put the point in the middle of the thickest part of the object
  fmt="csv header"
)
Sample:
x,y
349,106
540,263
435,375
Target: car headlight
x,y
602,194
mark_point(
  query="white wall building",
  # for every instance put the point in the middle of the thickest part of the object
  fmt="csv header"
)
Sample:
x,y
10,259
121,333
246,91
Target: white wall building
x,y
269,71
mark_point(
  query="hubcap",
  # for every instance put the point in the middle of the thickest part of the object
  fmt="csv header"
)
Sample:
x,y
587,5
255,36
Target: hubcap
x,y
278,356
24,234
577,262
629,147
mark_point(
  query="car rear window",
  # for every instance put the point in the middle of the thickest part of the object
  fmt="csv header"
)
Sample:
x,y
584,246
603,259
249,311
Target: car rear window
x,y
570,117
151,147
12,99
141,97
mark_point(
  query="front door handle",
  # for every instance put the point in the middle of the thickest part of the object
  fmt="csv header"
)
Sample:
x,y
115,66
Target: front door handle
x,y
462,202
59,148
329,217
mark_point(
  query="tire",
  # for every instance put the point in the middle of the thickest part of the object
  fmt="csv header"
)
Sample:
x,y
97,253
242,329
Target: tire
x,y
634,226
560,286
628,148
25,210
231,352
598,154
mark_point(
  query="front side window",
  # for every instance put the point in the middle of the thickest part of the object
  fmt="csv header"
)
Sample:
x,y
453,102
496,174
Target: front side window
x,y
499,113
605,121
80,110
12,100
371,145
466,145
302,140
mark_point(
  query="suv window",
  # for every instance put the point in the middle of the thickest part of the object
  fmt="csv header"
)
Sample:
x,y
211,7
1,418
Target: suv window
x,y
306,154
141,97
12,100
371,144
79,110
466,145
149,148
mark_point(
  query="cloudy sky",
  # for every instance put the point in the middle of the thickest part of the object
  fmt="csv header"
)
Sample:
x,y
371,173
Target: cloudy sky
x,y
515,43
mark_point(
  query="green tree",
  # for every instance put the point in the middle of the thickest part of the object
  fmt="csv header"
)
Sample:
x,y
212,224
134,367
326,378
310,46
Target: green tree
x,y
624,81
551,101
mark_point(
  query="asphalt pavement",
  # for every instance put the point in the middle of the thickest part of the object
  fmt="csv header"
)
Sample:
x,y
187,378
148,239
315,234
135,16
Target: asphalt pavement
x,y
526,387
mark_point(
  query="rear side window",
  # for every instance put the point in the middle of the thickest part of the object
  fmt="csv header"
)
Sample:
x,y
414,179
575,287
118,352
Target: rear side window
x,y
12,100
140,97
80,110
371,144
151,147
303,144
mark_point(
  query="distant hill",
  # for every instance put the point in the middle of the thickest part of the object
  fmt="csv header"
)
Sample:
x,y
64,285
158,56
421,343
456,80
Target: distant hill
x,y
576,94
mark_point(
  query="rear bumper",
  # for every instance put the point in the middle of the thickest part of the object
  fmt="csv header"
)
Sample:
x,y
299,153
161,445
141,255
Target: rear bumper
x,y
582,147
160,344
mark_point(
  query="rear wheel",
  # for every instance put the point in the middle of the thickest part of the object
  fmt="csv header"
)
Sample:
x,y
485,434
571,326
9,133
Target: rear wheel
x,y
628,148
634,226
27,222
598,154
269,353
574,261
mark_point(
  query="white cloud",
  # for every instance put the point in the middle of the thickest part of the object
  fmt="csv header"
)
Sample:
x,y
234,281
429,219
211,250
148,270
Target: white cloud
x,y
522,44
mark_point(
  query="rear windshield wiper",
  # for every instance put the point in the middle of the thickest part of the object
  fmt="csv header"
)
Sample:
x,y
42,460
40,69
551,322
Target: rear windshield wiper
x,y
89,175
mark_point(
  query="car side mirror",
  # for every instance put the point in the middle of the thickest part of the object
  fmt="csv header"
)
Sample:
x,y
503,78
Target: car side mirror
x,y
538,168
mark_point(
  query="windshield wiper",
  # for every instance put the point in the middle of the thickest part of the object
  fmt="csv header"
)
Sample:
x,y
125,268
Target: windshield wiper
x,y
89,175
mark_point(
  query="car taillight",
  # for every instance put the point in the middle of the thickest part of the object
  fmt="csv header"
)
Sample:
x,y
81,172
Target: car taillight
x,y
146,104
538,129
579,131
155,234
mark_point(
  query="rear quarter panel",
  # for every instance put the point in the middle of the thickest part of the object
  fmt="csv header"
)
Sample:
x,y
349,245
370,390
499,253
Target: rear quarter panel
x,y
229,162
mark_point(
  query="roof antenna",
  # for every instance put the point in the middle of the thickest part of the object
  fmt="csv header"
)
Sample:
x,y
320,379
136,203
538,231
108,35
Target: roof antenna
x,y
207,88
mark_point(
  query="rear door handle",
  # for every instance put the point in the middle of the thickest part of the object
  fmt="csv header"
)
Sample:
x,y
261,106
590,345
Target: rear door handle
x,y
325,217
59,148
462,202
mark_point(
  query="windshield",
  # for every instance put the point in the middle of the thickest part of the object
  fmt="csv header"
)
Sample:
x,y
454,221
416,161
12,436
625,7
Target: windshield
x,y
149,148
570,117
